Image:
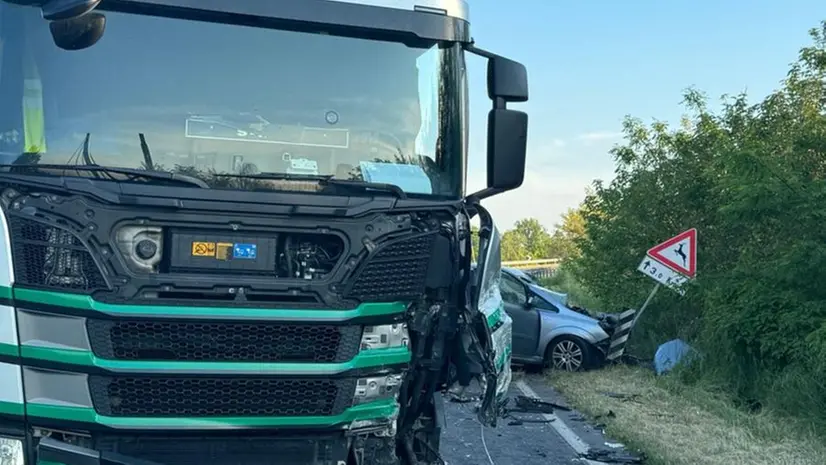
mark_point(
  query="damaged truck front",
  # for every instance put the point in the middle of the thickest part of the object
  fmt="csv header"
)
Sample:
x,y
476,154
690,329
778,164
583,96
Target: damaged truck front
x,y
237,232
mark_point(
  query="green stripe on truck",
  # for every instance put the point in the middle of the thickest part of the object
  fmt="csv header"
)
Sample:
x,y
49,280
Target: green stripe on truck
x,y
85,302
378,409
365,359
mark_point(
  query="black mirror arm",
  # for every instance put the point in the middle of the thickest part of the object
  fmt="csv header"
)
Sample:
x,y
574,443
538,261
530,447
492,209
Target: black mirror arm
x,y
507,129
498,102
474,198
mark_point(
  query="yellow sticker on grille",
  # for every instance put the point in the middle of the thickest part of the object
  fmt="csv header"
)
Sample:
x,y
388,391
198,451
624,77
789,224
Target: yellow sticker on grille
x,y
223,251
203,249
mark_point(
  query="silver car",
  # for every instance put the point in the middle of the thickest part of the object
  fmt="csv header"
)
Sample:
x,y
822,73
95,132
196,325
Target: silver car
x,y
549,333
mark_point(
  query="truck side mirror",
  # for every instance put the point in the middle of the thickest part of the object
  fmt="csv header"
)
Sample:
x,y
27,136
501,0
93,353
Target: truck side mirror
x,y
507,149
507,80
507,129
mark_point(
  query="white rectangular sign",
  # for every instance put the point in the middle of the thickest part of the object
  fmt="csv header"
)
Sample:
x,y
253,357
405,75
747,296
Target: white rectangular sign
x,y
662,274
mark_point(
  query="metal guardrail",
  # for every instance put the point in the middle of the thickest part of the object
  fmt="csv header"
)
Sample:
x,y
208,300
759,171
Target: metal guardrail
x,y
541,273
529,264
543,268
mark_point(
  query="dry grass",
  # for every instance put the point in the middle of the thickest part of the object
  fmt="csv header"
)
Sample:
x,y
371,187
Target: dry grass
x,y
676,425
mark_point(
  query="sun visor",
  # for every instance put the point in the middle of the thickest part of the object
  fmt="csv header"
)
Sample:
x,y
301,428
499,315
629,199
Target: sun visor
x,y
410,178
428,67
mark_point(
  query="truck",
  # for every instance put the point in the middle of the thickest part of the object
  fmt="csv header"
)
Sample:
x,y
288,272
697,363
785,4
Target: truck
x,y
238,232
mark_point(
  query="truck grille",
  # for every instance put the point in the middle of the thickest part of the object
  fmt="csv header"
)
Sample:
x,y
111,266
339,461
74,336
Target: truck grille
x,y
145,396
228,450
396,272
222,341
45,256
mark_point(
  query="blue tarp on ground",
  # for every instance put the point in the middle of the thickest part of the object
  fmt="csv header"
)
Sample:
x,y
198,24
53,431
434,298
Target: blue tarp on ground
x,y
669,355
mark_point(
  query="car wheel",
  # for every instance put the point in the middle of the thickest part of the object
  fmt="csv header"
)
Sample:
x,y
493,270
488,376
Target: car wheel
x,y
567,353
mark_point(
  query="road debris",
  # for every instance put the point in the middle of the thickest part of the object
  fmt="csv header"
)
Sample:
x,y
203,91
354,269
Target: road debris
x,y
613,456
534,405
621,396
521,421
602,425
527,405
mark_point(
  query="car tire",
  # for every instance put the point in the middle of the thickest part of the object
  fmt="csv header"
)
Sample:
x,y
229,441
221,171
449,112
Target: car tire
x,y
567,353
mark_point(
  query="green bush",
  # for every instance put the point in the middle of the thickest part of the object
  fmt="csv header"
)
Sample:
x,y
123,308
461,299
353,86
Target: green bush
x,y
564,281
752,180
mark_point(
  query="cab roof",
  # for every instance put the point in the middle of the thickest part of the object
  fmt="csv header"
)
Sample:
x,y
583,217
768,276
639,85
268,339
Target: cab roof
x,y
397,20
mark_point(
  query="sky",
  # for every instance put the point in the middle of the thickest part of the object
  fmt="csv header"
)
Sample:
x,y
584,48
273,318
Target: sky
x,y
591,63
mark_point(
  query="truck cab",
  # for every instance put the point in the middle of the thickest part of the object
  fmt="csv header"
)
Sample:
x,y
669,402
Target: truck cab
x,y
238,232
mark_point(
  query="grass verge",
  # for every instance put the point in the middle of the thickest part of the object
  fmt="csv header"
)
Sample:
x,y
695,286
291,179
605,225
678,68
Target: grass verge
x,y
674,424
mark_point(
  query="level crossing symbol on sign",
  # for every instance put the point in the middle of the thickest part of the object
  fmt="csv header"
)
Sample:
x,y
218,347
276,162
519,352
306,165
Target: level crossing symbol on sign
x,y
678,253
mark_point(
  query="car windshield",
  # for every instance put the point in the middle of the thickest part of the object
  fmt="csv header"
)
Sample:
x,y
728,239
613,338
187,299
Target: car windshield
x,y
521,275
207,99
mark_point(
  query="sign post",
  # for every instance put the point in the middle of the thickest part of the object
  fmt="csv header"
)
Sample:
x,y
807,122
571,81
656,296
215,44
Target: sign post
x,y
645,304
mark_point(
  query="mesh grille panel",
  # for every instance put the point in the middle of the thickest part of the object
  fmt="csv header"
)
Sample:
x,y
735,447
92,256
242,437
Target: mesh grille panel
x,y
242,396
222,342
396,272
46,256
235,450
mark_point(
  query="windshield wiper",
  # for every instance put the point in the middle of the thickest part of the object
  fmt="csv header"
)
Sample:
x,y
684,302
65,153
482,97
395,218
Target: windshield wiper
x,y
147,155
325,180
161,175
276,176
365,186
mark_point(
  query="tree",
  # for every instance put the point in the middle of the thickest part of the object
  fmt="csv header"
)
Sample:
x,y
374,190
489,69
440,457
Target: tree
x,y
752,179
532,238
513,247
564,241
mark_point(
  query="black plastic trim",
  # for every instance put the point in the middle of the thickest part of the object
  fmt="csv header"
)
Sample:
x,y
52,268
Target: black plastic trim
x,y
13,428
95,225
94,370
338,18
229,200
51,450
64,425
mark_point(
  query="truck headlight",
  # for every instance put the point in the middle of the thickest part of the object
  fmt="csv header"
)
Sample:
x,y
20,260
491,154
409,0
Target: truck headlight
x,y
11,451
384,336
376,388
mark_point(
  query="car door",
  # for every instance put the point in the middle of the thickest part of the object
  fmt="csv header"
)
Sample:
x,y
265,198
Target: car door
x,y
525,336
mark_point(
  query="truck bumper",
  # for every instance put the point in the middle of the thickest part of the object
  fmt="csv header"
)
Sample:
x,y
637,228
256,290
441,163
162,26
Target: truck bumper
x,y
309,451
298,450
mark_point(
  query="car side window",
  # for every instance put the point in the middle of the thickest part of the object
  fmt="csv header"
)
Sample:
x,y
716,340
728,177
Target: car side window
x,y
513,292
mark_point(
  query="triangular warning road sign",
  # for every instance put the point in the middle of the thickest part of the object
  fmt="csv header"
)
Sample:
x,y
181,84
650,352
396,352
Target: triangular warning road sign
x,y
678,253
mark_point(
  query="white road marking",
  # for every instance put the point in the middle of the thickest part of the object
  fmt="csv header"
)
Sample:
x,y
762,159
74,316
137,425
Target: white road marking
x,y
567,434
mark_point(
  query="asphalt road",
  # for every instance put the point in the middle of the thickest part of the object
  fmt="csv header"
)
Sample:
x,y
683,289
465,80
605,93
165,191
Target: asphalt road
x,y
563,437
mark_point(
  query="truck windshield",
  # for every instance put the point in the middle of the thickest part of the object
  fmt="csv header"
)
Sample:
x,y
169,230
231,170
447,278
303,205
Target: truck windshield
x,y
207,99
